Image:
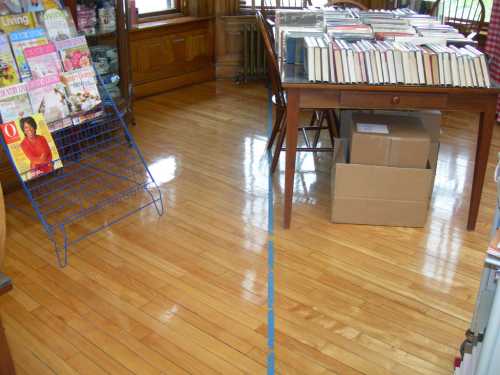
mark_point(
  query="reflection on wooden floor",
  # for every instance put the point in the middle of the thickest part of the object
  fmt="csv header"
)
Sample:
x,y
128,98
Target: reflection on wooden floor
x,y
186,293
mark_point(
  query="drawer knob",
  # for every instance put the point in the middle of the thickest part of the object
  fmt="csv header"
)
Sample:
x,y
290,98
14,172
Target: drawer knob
x,y
395,100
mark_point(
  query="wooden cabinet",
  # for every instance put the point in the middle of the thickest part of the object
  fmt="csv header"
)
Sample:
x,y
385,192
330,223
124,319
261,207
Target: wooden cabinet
x,y
178,53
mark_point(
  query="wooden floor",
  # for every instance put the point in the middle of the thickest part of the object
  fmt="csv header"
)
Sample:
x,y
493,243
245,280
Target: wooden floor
x,y
186,293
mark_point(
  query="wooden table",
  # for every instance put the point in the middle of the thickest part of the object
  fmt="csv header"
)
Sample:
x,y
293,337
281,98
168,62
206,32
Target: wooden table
x,y
304,94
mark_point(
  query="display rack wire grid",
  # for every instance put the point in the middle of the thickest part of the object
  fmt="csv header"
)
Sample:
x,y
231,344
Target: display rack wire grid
x,y
104,179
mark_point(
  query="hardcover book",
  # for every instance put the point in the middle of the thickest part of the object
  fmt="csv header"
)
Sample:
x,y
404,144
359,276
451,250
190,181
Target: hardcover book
x,y
15,22
58,24
10,7
14,102
82,93
74,52
42,60
8,68
31,146
48,97
24,39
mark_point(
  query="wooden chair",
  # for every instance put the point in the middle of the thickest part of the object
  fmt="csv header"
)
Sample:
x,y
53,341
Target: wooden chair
x,y
285,4
465,15
346,4
279,99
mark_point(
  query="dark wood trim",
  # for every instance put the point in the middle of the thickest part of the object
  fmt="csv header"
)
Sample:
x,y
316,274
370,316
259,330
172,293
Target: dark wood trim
x,y
167,22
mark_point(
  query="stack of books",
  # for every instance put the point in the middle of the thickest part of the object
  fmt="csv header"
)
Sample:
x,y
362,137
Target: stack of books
x,y
351,32
387,24
386,62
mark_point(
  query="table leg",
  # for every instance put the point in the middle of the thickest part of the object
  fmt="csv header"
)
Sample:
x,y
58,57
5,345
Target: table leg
x,y
292,126
486,123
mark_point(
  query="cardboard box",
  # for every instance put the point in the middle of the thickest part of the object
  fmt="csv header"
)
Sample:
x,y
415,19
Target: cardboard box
x,y
387,140
378,195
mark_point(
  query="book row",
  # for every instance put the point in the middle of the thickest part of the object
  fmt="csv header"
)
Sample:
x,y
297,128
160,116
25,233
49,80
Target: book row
x,y
388,62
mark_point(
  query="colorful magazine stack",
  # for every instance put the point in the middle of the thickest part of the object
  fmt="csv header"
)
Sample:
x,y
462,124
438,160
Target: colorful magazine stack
x,y
31,146
10,7
24,39
74,53
82,94
38,93
58,24
48,97
14,102
16,22
8,68
42,60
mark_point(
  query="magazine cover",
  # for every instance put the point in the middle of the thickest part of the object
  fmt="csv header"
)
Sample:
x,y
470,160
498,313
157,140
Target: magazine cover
x,y
8,68
58,24
31,146
24,39
42,60
82,93
48,97
32,5
15,22
10,7
14,102
75,53
50,4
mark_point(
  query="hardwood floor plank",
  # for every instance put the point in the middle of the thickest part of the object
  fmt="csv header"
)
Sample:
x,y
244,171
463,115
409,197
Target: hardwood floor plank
x,y
187,292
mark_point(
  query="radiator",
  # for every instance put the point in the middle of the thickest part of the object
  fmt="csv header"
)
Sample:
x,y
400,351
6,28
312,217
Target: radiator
x,y
254,56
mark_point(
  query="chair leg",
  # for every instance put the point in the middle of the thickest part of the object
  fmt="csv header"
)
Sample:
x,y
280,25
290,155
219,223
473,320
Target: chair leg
x,y
279,145
332,122
276,127
318,132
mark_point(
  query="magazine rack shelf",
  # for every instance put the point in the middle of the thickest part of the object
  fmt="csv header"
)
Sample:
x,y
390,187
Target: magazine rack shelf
x,y
104,179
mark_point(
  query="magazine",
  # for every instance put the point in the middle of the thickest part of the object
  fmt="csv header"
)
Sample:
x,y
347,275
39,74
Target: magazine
x,y
24,39
33,5
14,102
50,4
82,94
31,146
58,24
42,60
74,52
8,68
15,22
10,7
48,97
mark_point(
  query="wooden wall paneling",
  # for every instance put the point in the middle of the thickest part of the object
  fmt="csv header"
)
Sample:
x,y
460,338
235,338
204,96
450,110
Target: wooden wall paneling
x,y
229,59
172,55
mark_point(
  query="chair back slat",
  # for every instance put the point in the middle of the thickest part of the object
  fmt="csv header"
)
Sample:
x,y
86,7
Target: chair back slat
x,y
466,15
347,4
272,61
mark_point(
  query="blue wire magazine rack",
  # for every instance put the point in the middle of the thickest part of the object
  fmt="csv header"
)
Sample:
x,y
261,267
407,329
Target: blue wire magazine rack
x,y
104,179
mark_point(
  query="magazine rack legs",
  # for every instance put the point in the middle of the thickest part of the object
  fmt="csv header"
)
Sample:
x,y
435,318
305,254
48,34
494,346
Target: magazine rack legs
x,y
104,179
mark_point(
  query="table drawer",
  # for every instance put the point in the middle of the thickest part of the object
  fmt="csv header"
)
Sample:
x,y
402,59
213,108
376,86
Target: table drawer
x,y
363,99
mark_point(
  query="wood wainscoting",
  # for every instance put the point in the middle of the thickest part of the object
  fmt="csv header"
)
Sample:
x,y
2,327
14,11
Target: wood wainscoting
x,y
172,54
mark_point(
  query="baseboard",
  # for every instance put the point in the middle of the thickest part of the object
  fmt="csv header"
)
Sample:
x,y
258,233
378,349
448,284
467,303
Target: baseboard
x,y
166,84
